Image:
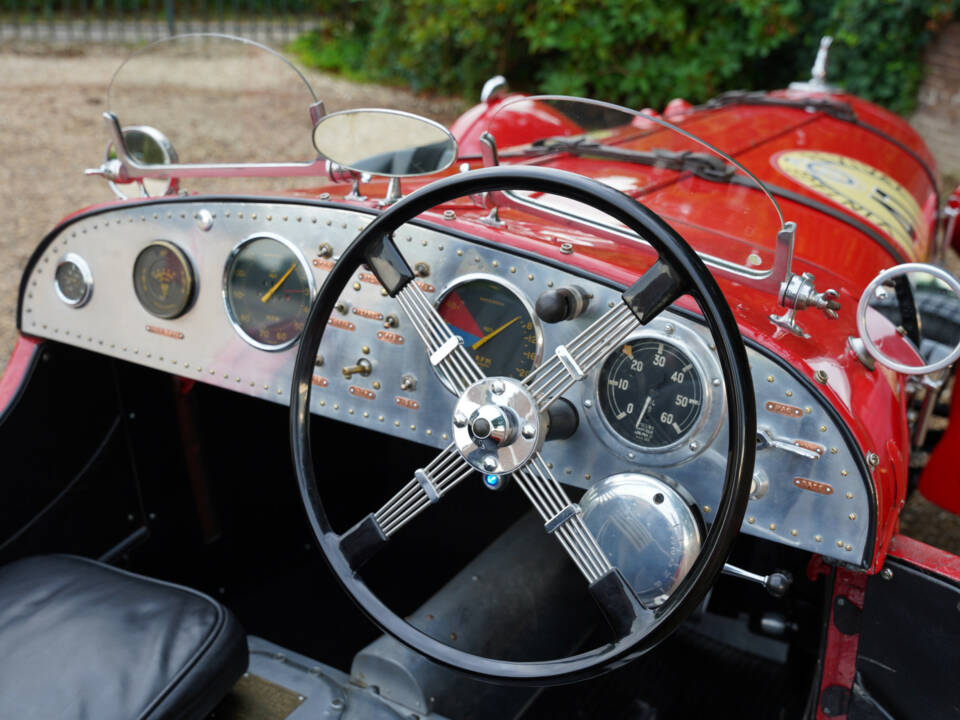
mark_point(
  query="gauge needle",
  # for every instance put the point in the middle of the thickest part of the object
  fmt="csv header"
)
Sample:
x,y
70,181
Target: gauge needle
x,y
271,291
493,334
643,411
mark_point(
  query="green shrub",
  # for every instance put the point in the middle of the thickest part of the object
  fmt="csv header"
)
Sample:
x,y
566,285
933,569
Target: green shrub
x,y
637,52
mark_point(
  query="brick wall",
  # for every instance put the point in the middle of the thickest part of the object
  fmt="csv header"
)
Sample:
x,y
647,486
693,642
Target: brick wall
x,y
937,117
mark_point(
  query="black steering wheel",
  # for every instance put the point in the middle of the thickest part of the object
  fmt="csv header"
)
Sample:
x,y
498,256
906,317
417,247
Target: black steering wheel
x,y
501,420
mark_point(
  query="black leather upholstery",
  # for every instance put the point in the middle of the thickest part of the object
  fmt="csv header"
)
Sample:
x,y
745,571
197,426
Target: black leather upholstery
x,y
80,640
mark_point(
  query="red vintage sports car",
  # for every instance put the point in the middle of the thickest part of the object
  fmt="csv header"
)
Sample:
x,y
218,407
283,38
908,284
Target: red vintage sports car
x,y
669,380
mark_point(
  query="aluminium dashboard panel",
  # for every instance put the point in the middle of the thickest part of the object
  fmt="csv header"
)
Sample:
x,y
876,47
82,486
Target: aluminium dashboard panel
x,y
821,505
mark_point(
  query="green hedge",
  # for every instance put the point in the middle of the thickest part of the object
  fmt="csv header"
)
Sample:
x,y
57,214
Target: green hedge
x,y
637,52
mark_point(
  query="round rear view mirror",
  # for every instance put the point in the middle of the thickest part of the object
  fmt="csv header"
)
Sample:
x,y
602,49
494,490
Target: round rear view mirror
x,y
919,302
148,146
385,142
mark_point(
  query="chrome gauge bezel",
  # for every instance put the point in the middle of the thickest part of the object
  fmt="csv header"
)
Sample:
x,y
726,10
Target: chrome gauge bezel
x,y
85,272
190,273
680,335
519,294
228,267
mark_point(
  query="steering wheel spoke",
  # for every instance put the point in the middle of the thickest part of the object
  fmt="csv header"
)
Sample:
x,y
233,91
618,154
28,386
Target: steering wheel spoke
x,y
429,484
446,350
653,292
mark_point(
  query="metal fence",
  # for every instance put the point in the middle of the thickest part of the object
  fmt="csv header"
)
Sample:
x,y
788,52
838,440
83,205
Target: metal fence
x,y
133,21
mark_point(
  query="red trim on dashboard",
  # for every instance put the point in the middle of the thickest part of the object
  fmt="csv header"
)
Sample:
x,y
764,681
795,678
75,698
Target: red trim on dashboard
x,y
13,376
840,654
926,557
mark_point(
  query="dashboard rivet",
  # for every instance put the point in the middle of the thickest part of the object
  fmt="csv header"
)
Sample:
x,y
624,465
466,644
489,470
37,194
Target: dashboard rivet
x,y
751,520
356,286
848,548
808,409
852,516
839,543
706,508
323,403
794,533
490,463
694,446
383,292
530,276
204,220
440,248
496,263
823,428
376,384
336,406
350,411
770,378
834,451
549,283
716,382
513,269
380,418
459,252
849,496
611,304
444,436
632,455
212,372
789,393
588,404
528,431
550,465
567,471
429,431
773,526
284,218
365,349
460,420
319,361
424,242
269,217
253,216
818,538
873,459
844,473
186,364
497,387
240,215
566,248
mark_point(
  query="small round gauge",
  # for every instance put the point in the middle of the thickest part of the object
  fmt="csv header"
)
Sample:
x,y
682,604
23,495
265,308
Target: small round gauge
x,y
650,393
496,324
73,280
267,289
163,279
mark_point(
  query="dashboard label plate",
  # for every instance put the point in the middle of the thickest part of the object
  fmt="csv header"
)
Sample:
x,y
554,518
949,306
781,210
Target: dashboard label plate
x,y
390,337
408,403
813,486
342,324
783,409
362,392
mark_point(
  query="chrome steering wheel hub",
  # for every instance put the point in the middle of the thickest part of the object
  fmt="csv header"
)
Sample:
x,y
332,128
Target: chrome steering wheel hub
x,y
496,425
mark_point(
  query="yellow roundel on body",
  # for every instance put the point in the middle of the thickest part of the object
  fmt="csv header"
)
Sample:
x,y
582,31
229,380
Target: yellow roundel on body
x,y
860,188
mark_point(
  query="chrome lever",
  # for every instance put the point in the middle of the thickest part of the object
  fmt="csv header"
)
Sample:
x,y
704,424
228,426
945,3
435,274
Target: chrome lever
x,y
766,439
777,584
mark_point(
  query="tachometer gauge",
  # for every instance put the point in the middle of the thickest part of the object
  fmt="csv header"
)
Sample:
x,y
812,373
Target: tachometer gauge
x,y
163,279
496,324
73,280
267,289
650,393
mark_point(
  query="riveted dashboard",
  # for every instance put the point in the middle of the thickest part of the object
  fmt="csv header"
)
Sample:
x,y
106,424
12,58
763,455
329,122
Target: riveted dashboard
x,y
92,286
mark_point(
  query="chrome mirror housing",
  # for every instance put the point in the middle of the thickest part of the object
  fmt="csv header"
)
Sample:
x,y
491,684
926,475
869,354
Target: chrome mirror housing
x,y
149,146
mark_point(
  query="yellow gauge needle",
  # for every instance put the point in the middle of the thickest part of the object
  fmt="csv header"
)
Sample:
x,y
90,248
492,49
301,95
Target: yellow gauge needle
x,y
493,334
271,291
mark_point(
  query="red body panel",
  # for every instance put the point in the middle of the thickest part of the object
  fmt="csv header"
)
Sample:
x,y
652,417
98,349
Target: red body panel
x,y
840,654
15,373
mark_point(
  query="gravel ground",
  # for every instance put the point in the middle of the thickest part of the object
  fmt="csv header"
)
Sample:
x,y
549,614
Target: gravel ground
x,y
51,130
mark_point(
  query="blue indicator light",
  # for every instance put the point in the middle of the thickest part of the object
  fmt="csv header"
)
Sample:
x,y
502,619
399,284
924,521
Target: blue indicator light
x,y
492,481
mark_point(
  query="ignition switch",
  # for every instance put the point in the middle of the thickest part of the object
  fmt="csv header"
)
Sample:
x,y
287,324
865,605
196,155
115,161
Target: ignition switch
x,y
564,303
363,367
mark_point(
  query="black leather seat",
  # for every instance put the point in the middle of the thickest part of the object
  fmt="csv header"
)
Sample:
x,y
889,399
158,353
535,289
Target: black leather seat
x,y
83,640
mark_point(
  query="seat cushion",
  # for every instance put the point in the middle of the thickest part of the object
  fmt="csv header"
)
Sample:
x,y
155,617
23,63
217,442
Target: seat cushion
x,y
79,640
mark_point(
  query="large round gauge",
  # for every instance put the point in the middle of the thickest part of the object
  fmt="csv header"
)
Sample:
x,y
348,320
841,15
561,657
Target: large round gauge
x,y
650,393
73,280
267,289
496,325
163,279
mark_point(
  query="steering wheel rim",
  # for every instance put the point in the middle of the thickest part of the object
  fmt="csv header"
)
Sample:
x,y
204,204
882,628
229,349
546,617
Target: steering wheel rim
x,y
731,353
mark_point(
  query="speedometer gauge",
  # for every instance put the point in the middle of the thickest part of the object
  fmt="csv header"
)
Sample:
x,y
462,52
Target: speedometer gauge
x,y
496,324
267,290
651,393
